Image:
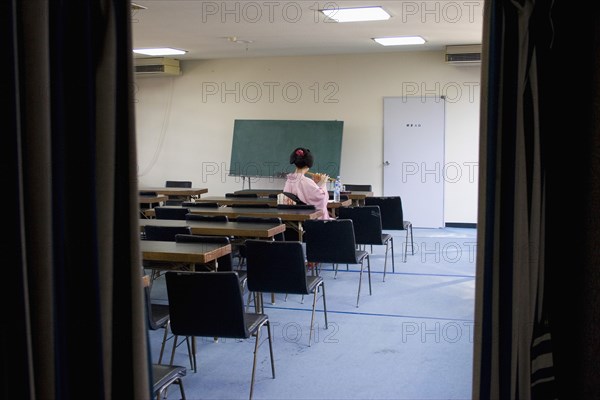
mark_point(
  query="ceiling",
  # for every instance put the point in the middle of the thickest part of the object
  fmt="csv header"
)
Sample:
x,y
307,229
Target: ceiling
x,y
242,28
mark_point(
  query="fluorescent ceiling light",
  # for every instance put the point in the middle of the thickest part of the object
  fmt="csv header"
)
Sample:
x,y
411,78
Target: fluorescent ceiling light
x,y
356,14
162,51
400,40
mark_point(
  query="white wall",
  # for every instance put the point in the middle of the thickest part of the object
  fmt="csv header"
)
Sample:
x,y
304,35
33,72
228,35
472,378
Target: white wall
x,y
185,123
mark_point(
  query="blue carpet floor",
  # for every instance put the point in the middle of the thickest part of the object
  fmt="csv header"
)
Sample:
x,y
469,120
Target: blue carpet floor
x,y
411,339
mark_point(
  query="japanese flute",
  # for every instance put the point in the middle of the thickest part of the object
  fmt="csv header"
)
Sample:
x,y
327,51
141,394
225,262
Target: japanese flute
x,y
328,178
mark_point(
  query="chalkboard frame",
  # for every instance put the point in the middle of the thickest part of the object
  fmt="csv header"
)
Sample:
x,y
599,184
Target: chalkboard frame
x,y
261,148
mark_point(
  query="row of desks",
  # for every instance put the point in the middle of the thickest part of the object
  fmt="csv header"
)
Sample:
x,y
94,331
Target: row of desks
x,y
241,201
188,253
162,194
357,197
231,228
292,217
195,253
202,253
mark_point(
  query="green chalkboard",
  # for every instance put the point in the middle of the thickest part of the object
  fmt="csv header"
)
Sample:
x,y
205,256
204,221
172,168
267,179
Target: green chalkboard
x,y
262,148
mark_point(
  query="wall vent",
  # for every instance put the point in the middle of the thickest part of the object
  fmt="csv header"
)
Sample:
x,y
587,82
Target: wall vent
x,y
463,55
157,66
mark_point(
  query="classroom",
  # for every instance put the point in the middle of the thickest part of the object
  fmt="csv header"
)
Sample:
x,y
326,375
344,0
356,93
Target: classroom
x,y
175,110
504,291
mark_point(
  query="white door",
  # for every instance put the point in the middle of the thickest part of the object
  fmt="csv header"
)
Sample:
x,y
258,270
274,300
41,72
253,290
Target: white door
x,y
413,155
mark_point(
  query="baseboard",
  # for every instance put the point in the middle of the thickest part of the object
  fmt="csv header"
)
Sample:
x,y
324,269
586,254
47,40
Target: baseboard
x,y
460,225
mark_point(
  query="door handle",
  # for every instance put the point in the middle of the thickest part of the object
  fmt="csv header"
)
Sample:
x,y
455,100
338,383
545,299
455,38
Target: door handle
x,y
386,163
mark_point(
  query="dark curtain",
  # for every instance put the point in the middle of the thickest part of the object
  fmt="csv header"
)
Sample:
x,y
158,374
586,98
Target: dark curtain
x,y
538,287
74,326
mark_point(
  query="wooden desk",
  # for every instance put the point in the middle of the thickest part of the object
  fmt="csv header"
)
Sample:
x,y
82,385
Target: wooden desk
x,y
291,217
185,253
232,228
230,201
241,201
145,199
259,192
333,205
358,198
175,191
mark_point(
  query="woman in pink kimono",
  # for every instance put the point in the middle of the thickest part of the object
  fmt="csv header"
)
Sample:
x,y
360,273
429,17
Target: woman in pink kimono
x,y
309,190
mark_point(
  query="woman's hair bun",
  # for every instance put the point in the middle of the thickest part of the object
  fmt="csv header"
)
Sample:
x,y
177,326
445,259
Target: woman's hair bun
x,y
301,157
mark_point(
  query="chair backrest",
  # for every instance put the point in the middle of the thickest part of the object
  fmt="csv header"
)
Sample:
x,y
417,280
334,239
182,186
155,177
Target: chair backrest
x,y
210,218
330,241
181,184
343,197
157,314
296,207
392,217
275,220
358,188
200,204
260,205
173,202
165,233
276,267
366,221
207,304
171,212
294,198
225,262
251,195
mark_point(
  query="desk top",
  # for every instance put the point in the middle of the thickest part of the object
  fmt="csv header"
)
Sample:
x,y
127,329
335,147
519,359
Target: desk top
x,y
234,212
232,228
229,201
144,199
259,192
175,191
352,195
338,204
357,195
192,253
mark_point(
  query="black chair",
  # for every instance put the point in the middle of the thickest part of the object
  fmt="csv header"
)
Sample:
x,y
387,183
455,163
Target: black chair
x,y
368,230
165,233
358,188
157,315
392,218
171,212
260,205
200,204
224,263
248,195
343,197
178,184
210,218
241,248
280,267
332,241
164,376
210,304
181,184
146,206
173,202
296,207
294,198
